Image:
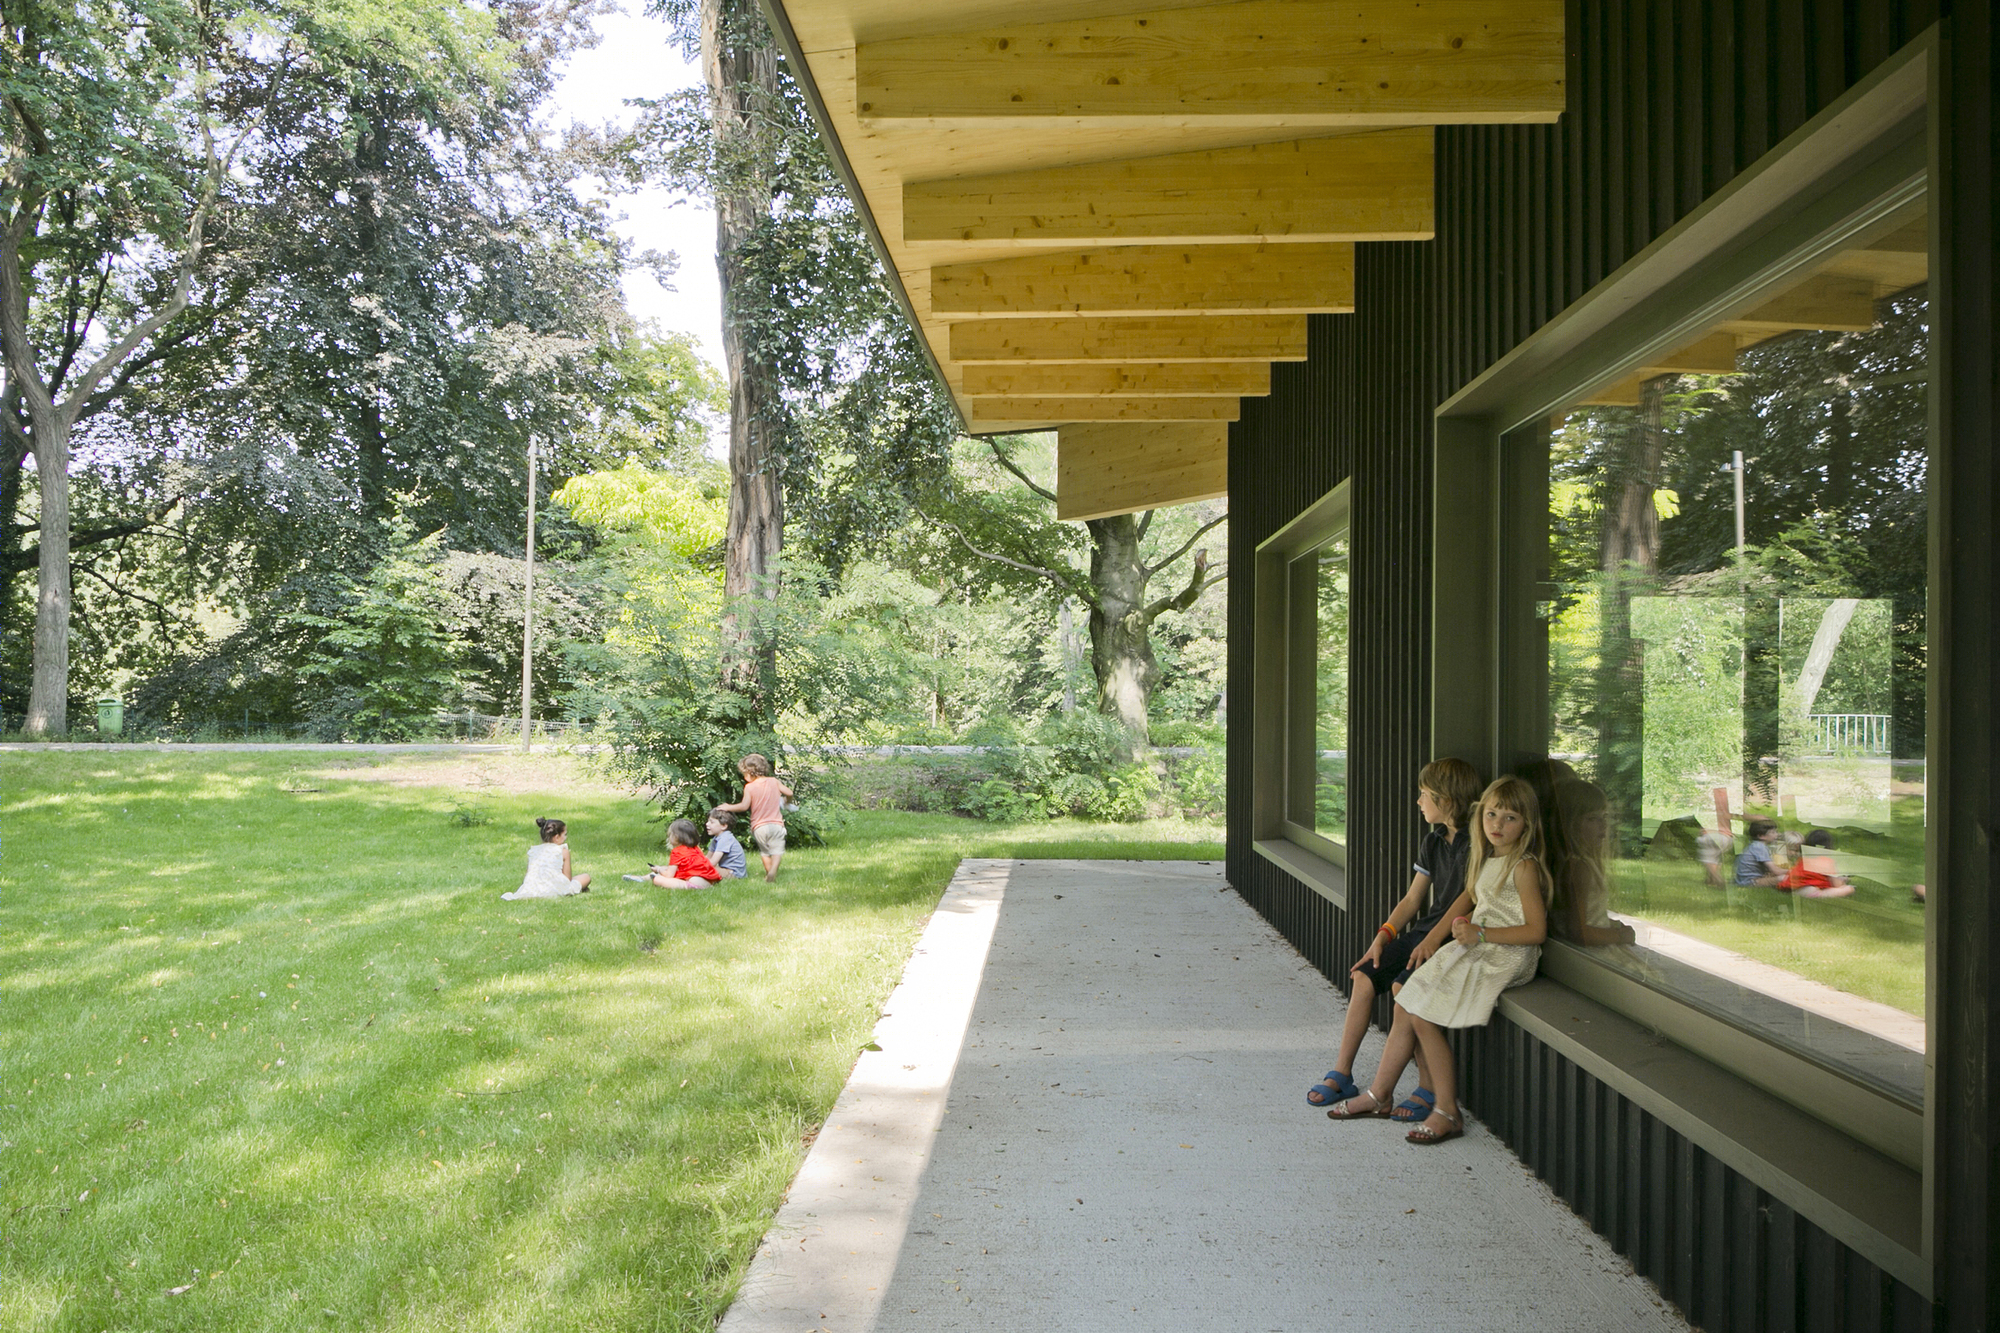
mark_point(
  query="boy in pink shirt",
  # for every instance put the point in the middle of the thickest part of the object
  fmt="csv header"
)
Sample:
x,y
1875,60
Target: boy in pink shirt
x,y
764,797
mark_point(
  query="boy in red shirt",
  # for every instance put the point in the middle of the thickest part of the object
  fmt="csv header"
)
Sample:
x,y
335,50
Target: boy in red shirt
x,y
687,867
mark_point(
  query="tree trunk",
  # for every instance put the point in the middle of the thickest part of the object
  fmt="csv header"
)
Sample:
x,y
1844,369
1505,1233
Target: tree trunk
x,y
48,695
741,67
1629,559
1066,642
1121,642
13,460
1833,623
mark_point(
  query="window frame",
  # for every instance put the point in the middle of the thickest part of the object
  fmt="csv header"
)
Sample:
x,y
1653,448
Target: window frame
x,y
1860,159
1284,715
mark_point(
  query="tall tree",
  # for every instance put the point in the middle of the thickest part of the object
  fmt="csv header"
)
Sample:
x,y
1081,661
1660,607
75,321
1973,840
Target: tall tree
x,y
740,63
1018,532
825,375
125,122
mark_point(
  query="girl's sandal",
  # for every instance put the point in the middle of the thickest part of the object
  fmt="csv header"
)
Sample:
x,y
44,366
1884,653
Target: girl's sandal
x,y
1415,1107
1344,1110
1424,1135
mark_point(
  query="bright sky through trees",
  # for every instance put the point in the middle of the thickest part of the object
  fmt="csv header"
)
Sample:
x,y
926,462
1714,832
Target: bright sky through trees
x,y
635,59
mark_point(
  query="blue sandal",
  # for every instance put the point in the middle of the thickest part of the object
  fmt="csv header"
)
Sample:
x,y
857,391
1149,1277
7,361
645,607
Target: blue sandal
x,y
1335,1087
1417,1106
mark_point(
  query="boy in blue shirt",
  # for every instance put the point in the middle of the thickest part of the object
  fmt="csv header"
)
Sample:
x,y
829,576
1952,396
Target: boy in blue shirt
x,y
723,849
1754,865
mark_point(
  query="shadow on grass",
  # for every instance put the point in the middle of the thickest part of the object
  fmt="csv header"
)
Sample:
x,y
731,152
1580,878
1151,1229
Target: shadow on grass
x,y
290,1051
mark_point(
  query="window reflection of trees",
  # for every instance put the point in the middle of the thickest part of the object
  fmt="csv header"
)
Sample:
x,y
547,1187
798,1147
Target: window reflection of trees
x,y
1678,664
1330,689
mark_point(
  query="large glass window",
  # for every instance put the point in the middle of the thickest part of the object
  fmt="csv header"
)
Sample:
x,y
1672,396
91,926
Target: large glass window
x,y
1319,583
1735,602
1303,607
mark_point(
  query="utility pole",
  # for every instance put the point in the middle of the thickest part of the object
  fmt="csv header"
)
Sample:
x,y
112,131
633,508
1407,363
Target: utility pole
x,y
1737,468
528,611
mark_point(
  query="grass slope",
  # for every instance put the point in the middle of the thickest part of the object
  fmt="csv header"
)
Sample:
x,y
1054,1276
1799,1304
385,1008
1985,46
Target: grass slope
x,y
276,1060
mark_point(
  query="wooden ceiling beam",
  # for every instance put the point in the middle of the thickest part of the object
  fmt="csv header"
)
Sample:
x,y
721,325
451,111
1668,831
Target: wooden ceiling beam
x,y
1302,62
1164,338
1355,187
1157,380
1625,393
984,414
1106,469
1713,355
1827,303
1149,279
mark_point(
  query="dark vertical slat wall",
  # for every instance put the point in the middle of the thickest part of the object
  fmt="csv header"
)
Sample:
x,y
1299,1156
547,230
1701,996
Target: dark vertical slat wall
x,y
1966,932
1668,100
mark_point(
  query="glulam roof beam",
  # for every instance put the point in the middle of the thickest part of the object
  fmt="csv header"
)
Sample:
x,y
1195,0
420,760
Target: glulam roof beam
x,y
1333,63
1005,410
1827,303
1149,279
1713,355
1167,338
1106,469
1351,187
1157,380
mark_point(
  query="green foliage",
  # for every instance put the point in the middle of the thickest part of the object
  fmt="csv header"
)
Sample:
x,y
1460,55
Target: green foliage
x,y
1694,684
383,661
1200,782
664,511
1178,733
858,418
1063,767
662,405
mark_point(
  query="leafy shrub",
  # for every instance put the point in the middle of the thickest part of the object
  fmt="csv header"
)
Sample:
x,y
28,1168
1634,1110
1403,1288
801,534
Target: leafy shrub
x,y
1179,734
1199,782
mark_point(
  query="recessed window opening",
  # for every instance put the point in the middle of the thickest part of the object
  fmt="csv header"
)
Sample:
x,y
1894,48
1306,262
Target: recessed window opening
x,y
1317,788
1735,603
1300,753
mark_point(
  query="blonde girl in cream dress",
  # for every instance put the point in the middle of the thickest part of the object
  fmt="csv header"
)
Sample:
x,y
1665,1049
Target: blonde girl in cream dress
x,y
1495,930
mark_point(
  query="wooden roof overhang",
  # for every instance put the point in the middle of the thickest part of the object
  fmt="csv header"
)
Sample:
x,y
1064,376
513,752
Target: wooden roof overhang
x,y
1112,218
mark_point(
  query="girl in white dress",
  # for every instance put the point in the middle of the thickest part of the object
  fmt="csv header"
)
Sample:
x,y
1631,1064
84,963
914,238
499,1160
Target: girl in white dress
x,y
1496,930
548,866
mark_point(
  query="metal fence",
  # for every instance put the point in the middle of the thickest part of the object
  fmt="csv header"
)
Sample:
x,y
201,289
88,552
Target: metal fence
x,y
1849,733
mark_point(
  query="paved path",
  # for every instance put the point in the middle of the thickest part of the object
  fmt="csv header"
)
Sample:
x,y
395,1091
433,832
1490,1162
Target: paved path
x,y
1088,1113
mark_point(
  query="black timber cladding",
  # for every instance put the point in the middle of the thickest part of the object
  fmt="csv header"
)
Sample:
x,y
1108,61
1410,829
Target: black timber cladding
x,y
1667,102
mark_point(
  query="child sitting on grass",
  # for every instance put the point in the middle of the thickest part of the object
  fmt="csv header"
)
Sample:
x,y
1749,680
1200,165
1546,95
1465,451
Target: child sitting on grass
x,y
548,866
686,867
1755,865
1814,875
723,849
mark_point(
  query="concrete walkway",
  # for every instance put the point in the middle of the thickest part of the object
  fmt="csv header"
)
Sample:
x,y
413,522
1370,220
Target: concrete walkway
x,y
1088,1113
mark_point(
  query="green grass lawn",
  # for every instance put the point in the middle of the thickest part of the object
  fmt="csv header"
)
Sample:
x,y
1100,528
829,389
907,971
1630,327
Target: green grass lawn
x,y
1870,944
281,1059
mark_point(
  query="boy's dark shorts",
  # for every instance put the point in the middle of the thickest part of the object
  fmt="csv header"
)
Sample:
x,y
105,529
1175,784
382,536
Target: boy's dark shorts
x,y
1395,962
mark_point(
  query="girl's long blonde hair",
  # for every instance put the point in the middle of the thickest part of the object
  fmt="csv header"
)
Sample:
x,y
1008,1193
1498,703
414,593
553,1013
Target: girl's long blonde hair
x,y
1516,795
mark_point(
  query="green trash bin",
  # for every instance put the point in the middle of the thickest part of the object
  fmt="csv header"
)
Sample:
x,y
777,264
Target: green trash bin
x,y
110,716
